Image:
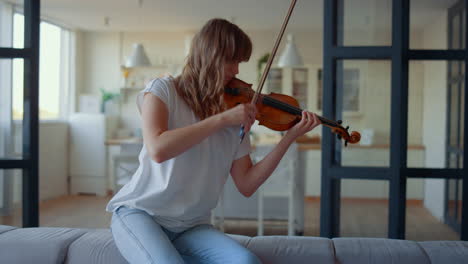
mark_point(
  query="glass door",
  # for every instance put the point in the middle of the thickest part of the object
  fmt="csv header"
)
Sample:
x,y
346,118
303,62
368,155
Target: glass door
x,y
455,115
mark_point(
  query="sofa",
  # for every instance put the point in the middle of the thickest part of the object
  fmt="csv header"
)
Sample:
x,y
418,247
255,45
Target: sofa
x,y
76,245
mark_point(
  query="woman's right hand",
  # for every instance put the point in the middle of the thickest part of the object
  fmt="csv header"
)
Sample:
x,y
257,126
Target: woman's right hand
x,y
242,114
308,122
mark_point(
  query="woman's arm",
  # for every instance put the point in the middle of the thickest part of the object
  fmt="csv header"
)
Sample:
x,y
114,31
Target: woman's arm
x,y
249,177
163,144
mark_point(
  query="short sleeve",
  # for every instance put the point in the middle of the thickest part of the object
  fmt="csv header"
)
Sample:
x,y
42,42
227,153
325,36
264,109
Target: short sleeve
x,y
159,87
244,148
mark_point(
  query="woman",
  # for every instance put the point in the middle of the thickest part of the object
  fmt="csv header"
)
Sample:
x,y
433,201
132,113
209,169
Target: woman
x,y
191,144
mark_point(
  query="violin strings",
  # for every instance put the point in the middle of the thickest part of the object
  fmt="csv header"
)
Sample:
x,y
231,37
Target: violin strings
x,y
298,110
292,109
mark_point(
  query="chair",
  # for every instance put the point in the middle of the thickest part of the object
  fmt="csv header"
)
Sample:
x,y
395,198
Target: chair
x,y
282,183
125,163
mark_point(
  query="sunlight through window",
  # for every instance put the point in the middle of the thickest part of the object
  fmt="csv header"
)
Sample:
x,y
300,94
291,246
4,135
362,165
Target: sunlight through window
x,y
49,70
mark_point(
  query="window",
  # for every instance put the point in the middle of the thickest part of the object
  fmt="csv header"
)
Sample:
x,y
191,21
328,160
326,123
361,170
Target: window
x,y
52,61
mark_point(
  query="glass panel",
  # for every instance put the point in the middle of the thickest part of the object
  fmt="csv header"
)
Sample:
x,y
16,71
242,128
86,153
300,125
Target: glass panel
x,y
49,71
455,38
18,87
428,23
463,24
364,208
11,202
454,70
366,104
11,26
319,89
416,83
460,201
18,31
17,105
452,188
453,161
451,203
462,117
365,23
426,107
421,222
11,84
453,116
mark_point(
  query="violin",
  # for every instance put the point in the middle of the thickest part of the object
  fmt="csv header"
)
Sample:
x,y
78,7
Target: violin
x,y
279,112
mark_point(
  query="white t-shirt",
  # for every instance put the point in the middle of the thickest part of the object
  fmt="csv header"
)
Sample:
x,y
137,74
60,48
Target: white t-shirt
x,y
181,192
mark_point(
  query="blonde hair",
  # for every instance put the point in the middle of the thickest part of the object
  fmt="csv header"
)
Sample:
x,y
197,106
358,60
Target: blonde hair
x,y
201,82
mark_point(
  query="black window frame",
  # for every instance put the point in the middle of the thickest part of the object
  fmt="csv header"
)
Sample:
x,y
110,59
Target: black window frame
x,y
29,163
397,173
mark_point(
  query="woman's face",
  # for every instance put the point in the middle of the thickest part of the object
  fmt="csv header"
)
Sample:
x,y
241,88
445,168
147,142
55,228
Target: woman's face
x,y
231,69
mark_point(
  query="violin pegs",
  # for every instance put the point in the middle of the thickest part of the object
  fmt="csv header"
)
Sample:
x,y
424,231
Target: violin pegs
x,y
339,122
347,128
338,136
346,143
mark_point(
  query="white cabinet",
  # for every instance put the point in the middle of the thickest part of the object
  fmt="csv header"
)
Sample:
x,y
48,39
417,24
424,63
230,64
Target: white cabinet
x,y
88,158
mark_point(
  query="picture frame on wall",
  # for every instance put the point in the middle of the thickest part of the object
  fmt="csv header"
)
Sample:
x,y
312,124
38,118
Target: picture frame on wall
x,y
351,91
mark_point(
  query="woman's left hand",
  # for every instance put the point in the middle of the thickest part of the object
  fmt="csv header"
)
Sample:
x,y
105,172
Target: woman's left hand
x,y
308,122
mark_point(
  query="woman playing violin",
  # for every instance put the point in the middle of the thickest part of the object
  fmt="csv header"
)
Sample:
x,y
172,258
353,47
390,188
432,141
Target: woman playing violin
x,y
191,145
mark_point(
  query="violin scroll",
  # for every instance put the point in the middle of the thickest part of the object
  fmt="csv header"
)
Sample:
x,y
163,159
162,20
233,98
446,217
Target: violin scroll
x,y
342,133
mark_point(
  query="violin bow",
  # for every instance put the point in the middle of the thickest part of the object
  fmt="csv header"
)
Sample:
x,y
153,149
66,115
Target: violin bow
x,y
270,60
273,52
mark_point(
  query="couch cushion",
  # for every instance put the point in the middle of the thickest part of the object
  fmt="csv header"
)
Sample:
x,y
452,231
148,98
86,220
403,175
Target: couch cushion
x,y
96,246
288,249
378,250
37,245
453,252
4,228
243,240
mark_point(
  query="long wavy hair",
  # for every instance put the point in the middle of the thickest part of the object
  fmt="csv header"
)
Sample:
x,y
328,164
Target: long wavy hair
x,y
200,84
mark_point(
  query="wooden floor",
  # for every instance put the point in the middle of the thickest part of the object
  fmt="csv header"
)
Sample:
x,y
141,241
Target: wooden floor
x,y
360,218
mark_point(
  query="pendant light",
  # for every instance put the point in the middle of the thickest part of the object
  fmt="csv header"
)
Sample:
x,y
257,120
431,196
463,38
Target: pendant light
x,y
290,56
138,58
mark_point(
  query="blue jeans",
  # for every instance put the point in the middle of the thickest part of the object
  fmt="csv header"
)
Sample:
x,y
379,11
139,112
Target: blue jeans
x,y
141,240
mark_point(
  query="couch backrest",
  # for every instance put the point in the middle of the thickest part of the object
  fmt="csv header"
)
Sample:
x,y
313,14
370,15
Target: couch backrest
x,y
96,246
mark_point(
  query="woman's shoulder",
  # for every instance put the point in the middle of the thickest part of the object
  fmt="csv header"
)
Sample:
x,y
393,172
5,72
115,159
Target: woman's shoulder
x,y
161,87
160,83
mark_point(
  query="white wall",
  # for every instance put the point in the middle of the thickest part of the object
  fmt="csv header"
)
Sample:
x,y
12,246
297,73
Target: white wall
x,y
101,63
434,116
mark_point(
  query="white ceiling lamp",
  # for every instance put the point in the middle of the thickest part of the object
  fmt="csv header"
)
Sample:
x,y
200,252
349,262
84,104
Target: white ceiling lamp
x,y
138,57
290,56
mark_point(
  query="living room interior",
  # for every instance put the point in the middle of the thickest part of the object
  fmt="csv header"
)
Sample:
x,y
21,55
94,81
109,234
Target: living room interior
x,y
95,56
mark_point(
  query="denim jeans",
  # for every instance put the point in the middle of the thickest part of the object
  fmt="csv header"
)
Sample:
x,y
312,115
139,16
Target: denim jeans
x,y
141,240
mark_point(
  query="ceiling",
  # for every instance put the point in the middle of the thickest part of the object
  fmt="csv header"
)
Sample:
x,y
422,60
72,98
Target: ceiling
x,y
189,15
